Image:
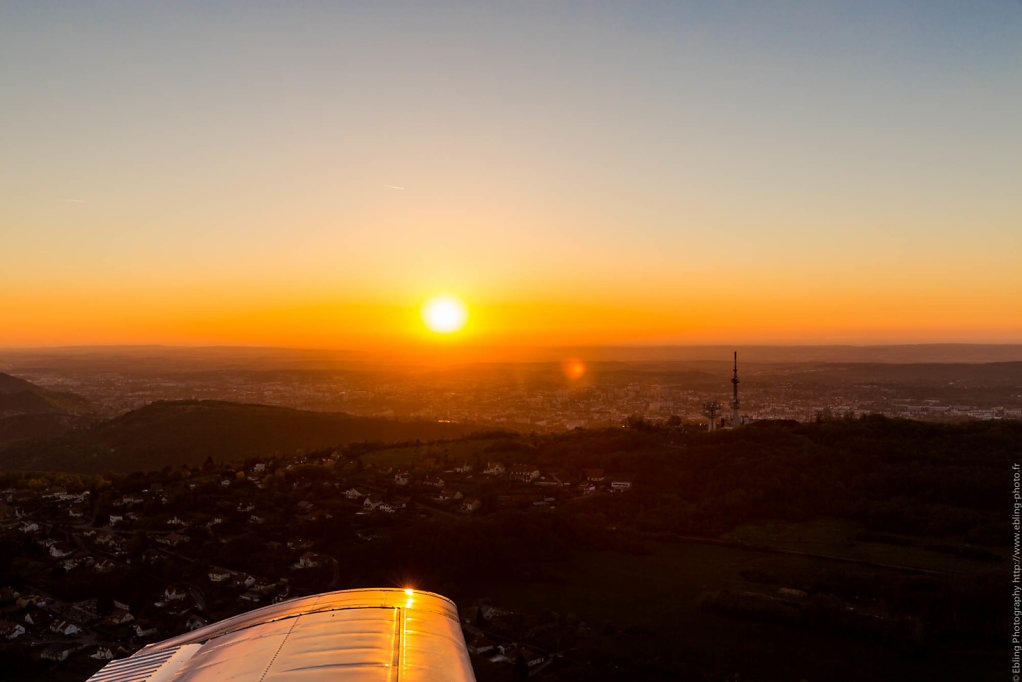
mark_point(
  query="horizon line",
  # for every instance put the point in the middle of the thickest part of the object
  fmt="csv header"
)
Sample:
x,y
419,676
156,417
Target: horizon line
x,y
483,347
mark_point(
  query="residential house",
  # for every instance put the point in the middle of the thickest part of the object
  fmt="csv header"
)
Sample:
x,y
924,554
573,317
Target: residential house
x,y
174,593
172,539
532,658
144,628
494,469
354,494
195,621
37,617
251,597
103,566
118,616
109,540
58,652
308,560
264,587
481,645
523,473
11,630
621,482
28,601
63,627
218,575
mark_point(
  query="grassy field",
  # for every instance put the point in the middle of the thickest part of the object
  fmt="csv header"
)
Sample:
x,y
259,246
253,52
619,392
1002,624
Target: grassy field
x,y
647,604
837,538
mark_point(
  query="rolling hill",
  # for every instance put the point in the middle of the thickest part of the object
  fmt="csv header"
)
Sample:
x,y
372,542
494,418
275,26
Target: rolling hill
x,y
18,397
28,411
171,433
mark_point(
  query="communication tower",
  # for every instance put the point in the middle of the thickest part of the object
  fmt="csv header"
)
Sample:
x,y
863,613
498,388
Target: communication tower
x,y
734,401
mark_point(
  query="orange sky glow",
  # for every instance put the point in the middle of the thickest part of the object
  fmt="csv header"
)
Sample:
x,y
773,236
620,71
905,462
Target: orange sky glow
x,y
308,176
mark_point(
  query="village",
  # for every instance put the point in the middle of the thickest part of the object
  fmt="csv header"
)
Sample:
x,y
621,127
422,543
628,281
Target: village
x,y
95,569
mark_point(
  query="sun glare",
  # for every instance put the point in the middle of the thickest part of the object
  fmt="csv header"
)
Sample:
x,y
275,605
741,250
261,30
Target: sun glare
x,y
444,314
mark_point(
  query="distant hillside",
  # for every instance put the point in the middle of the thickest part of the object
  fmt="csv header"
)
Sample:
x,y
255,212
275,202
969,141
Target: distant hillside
x,y
160,359
187,432
992,374
29,411
18,396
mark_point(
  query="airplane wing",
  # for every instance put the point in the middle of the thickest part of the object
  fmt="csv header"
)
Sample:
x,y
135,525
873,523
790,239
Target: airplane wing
x,y
369,635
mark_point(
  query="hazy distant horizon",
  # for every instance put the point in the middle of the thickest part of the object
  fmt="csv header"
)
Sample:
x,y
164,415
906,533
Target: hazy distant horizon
x,y
748,354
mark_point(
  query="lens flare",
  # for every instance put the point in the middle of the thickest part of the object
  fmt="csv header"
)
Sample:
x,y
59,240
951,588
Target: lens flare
x,y
573,368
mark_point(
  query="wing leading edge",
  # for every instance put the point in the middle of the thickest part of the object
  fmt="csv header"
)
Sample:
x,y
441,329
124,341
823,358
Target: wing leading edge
x,y
369,635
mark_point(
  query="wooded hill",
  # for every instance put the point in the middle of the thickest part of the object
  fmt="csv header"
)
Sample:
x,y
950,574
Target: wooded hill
x,y
18,396
172,433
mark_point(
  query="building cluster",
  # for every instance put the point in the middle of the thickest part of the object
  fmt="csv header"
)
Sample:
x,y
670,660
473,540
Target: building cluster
x,y
101,570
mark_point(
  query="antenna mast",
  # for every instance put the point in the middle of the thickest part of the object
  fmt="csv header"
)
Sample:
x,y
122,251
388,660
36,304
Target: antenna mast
x,y
734,401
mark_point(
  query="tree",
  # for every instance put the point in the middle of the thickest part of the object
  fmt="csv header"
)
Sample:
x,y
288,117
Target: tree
x,y
101,510
521,669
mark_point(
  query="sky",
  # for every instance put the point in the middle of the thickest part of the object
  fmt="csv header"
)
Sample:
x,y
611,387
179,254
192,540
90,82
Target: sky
x,y
306,174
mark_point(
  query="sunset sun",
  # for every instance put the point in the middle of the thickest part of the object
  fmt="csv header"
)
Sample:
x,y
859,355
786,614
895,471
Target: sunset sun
x,y
444,314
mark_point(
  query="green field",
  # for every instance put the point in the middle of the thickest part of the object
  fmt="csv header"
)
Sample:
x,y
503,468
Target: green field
x,y
644,607
836,538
